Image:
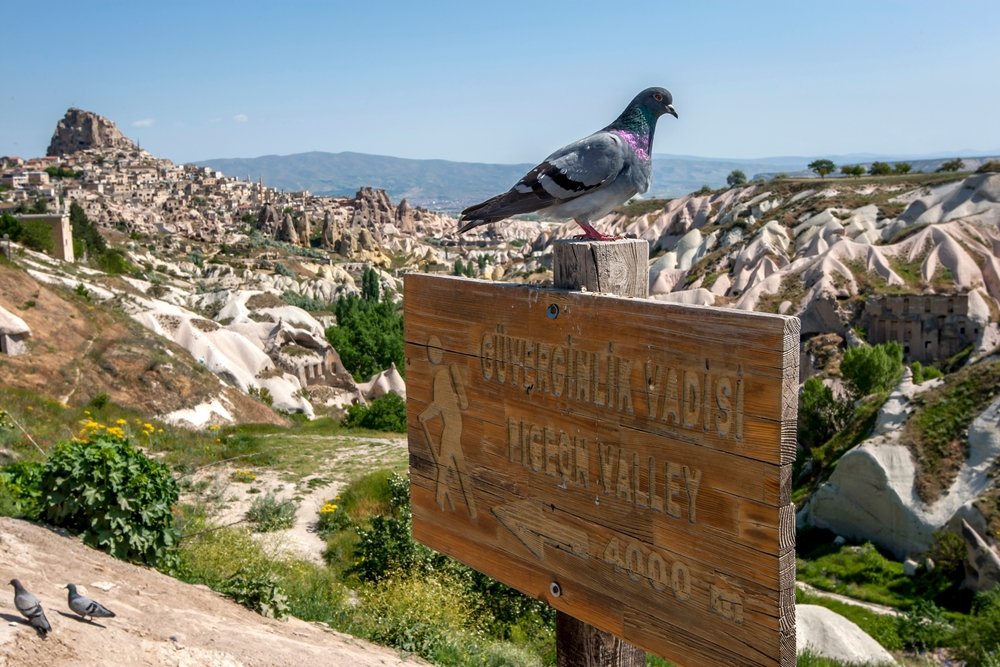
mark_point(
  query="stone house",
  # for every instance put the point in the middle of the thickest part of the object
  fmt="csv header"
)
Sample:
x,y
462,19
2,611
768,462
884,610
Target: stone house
x,y
928,326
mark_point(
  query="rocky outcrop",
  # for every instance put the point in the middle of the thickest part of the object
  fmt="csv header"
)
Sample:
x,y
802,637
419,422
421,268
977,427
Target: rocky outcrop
x,y
827,634
81,130
871,495
982,562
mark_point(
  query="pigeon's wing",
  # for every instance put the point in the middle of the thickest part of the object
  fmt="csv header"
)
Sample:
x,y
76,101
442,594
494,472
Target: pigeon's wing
x,y
570,172
84,606
31,608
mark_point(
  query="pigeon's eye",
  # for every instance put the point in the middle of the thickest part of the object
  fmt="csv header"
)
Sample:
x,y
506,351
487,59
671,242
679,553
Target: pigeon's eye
x,y
658,97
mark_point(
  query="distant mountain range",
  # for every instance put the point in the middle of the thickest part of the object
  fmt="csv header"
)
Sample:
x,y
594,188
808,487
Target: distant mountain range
x,y
443,185
449,186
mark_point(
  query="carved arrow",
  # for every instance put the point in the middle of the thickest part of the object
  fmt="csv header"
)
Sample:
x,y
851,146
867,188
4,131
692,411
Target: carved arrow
x,y
534,524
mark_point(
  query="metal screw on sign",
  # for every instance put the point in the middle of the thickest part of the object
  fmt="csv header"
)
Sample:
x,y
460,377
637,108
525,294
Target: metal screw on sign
x,y
555,589
552,312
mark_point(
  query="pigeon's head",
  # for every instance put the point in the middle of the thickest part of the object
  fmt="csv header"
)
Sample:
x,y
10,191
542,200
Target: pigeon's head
x,y
656,100
71,588
15,583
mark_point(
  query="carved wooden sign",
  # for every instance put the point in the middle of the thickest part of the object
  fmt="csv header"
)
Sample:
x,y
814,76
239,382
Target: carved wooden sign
x,y
626,460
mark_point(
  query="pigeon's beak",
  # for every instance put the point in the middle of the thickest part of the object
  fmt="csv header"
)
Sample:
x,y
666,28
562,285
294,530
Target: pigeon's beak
x,y
672,111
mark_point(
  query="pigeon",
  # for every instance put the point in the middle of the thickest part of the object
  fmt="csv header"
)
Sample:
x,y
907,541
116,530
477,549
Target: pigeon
x,y
30,608
588,178
85,607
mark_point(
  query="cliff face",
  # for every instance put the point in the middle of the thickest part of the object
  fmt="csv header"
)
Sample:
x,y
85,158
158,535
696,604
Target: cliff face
x,y
79,130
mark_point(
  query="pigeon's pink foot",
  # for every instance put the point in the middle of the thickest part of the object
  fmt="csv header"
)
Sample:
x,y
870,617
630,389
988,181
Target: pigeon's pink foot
x,y
592,234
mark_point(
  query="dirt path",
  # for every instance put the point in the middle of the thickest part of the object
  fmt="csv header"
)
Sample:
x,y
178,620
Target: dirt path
x,y
229,500
160,620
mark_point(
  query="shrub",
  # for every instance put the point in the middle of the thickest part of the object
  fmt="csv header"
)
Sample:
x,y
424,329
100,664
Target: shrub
x,y
114,496
868,369
385,413
386,545
20,490
428,616
977,639
923,373
268,514
820,414
259,592
923,627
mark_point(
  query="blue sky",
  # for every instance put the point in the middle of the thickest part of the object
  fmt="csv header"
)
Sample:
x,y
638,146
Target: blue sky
x,y
505,81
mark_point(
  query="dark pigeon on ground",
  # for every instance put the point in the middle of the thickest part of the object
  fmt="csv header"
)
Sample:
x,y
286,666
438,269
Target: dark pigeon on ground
x,y
588,178
30,608
85,607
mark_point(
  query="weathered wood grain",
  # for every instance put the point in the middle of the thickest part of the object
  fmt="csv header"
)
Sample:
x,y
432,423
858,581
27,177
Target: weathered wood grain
x,y
635,453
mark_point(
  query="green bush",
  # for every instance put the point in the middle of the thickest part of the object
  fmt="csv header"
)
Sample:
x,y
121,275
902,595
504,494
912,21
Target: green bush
x,y
259,592
428,616
386,546
977,639
868,369
268,514
923,627
922,373
820,414
385,413
20,490
114,496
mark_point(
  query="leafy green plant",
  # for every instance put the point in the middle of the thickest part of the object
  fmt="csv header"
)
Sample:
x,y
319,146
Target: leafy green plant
x,y
268,514
923,627
385,413
20,489
114,496
259,592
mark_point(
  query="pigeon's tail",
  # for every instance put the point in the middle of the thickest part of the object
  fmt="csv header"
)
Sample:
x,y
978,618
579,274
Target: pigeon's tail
x,y
495,209
39,622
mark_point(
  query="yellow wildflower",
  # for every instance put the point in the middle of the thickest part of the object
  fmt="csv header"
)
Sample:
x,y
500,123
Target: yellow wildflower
x,y
121,422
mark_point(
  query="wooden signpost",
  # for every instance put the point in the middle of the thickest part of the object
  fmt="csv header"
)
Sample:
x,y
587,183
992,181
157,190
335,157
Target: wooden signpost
x,y
627,461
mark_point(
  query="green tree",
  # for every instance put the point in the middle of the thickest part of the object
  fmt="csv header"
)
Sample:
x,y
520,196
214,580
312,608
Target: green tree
x,y
736,178
10,226
902,168
868,369
368,335
459,267
822,167
880,168
370,288
955,164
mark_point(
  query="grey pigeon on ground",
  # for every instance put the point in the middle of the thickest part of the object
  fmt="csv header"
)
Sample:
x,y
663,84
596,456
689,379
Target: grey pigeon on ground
x,y
30,608
588,178
85,607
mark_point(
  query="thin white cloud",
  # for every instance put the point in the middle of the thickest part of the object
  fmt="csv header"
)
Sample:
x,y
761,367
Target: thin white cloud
x,y
241,118
144,122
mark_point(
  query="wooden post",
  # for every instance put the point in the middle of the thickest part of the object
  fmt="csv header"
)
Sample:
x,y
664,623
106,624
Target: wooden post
x,y
606,267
